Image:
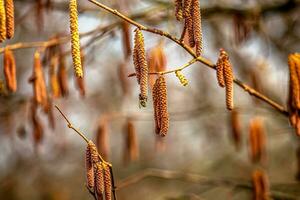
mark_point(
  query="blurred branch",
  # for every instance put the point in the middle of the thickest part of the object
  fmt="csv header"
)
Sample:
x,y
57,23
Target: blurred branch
x,y
204,61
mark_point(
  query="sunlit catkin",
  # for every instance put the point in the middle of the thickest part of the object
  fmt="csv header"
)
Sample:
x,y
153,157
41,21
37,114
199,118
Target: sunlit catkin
x,y
75,41
89,168
10,18
2,21
181,78
99,180
141,68
10,70
260,185
179,9
160,105
197,27
107,183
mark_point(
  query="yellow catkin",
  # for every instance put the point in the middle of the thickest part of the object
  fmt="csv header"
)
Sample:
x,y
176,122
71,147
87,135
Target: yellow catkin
x,y
179,10
10,70
107,183
181,78
75,41
260,185
160,102
10,18
89,168
187,5
2,21
141,68
294,81
99,180
197,27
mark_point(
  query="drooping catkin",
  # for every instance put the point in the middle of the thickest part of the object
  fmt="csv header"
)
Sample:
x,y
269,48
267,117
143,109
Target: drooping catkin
x,y
80,83
236,128
37,126
160,106
10,70
257,140
55,87
63,76
131,147
141,68
89,168
197,27
10,18
179,9
220,68
181,78
107,183
2,21
75,41
126,37
190,30
260,185
187,5
99,180
102,139
94,152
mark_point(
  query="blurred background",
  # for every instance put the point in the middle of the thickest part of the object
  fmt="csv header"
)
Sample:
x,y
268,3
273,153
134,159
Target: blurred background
x,y
198,159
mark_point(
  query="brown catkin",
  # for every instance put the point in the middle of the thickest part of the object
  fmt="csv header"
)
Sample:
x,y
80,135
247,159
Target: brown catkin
x,y
102,139
63,76
55,87
197,27
2,21
190,30
257,140
38,131
179,9
94,153
89,168
260,185
220,68
75,41
10,70
187,6
99,180
160,102
107,183
10,18
126,37
228,78
236,128
141,68
132,151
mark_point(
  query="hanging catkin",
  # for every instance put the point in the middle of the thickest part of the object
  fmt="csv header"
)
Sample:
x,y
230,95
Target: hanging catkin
x,y
102,139
197,27
126,37
94,153
2,21
236,128
75,41
99,180
220,68
260,185
55,87
190,30
10,70
63,76
257,140
131,147
89,168
10,18
160,105
107,183
181,78
179,10
187,6
141,68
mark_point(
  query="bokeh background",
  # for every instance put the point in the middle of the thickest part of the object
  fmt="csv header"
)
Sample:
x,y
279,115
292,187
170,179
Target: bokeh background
x,y
198,151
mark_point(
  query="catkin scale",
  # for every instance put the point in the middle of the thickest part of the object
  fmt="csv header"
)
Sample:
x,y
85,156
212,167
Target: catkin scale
x,y
2,21
75,41
187,5
89,168
10,18
107,183
10,70
178,10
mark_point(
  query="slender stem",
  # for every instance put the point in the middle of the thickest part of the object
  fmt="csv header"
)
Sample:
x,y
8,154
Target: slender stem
x,y
204,61
69,124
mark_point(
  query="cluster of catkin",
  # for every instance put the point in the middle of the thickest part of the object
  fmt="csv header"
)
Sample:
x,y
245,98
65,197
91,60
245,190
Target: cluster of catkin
x,y
260,182
225,77
160,106
98,173
7,20
141,67
189,10
294,91
257,140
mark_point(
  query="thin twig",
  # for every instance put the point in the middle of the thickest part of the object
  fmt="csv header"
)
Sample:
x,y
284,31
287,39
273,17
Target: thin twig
x,y
69,124
204,61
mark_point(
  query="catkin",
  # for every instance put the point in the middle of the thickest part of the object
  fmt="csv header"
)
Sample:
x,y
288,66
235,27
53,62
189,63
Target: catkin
x,y
89,168
126,37
181,78
179,10
236,128
197,27
55,87
99,180
38,131
75,41
107,183
132,151
257,140
260,185
141,68
80,83
220,68
2,21
187,5
94,153
10,70
63,76
160,105
190,30
102,139
10,18
228,79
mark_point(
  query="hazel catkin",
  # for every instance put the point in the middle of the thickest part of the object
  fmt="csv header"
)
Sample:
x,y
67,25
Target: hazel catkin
x,y
181,78
75,41
107,182
10,70
2,21
99,180
197,27
179,9
10,18
89,168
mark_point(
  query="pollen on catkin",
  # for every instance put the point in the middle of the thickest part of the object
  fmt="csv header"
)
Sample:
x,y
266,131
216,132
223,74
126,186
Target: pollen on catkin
x,y
10,18
10,70
107,182
99,180
160,106
181,78
197,27
179,9
2,21
89,168
75,41
141,68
